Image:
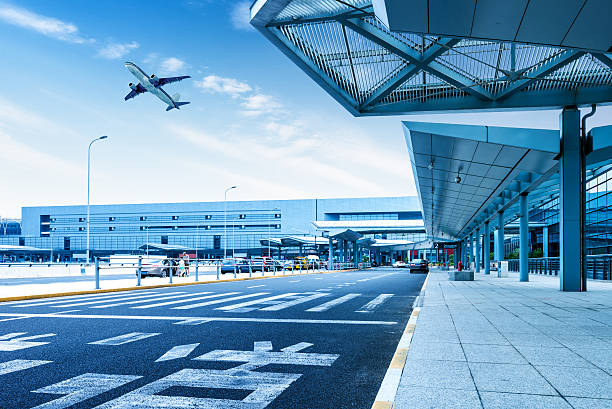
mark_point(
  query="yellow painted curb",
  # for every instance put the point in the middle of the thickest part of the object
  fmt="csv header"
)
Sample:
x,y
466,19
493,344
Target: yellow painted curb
x,y
399,358
382,405
115,290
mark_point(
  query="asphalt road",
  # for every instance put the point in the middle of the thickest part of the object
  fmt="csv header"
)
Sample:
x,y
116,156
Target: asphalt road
x,y
316,341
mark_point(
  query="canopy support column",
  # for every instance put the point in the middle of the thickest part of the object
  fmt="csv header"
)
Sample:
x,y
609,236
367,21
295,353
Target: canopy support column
x,y
487,249
571,202
524,239
477,252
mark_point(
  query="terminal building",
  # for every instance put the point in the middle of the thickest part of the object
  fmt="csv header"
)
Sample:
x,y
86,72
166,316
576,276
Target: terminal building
x,y
212,229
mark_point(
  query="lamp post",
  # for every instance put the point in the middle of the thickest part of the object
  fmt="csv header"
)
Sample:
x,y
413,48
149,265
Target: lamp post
x,y
225,221
88,184
275,210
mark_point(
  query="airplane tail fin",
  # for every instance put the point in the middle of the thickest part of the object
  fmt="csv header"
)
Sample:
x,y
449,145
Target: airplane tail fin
x,y
178,104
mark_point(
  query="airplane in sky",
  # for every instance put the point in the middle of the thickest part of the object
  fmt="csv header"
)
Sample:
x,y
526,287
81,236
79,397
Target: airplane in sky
x,y
153,85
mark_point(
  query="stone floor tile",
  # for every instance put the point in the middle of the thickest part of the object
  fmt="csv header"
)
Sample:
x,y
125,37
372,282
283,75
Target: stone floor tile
x,y
509,378
493,338
437,374
579,382
414,397
496,400
552,356
587,403
500,354
441,351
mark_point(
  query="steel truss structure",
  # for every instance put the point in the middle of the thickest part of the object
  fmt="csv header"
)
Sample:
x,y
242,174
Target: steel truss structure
x,y
371,70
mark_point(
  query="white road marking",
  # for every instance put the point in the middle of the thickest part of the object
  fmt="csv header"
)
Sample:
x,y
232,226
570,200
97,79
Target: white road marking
x,y
196,321
166,297
264,388
254,302
104,301
297,347
262,355
80,298
124,339
295,281
376,302
13,341
163,304
292,303
204,304
13,319
255,286
81,388
262,346
333,303
19,365
179,351
65,298
217,319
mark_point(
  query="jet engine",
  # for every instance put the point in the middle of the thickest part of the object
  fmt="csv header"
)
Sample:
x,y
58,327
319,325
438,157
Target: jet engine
x,y
133,86
154,79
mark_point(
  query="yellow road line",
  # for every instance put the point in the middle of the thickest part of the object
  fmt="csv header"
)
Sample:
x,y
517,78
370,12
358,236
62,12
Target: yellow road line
x,y
113,290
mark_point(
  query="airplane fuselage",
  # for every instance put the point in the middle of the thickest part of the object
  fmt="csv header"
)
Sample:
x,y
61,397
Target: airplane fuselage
x,y
149,85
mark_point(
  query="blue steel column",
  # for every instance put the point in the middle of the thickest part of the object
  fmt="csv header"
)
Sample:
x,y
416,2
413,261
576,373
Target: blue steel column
x,y
545,241
487,249
495,246
570,202
524,239
330,256
477,252
355,253
501,251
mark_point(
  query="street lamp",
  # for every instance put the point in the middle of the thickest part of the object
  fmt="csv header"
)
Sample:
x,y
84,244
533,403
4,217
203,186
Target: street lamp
x,y
225,221
88,184
275,210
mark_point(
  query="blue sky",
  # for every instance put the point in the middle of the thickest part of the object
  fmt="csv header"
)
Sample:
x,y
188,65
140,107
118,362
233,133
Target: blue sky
x,y
255,119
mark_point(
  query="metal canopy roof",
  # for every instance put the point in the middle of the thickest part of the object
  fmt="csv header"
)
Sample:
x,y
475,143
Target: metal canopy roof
x,y
348,235
164,247
371,226
494,164
570,23
371,70
8,248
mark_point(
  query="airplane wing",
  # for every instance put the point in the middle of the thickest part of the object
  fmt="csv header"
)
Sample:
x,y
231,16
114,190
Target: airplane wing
x,y
170,80
139,90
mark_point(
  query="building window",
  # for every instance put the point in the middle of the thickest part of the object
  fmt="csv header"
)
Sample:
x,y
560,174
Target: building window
x,y
111,219
277,216
22,241
217,242
81,228
143,218
67,243
175,217
242,216
278,226
81,219
207,217
164,239
111,228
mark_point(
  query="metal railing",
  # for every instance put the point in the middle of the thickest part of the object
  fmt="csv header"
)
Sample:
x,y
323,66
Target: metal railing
x,y
599,267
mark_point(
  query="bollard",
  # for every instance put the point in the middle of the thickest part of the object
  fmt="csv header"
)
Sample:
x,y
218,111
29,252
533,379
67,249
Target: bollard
x,y
97,267
139,271
250,269
263,268
170,274
283,268
234,270
197,266
217,269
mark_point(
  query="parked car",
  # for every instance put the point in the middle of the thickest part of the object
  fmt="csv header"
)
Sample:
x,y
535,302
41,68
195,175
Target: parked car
x,y
158,268
262,263
231,265
419,265
399,264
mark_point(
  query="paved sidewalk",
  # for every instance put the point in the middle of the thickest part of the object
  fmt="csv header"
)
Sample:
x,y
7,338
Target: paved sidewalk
x,y
499,343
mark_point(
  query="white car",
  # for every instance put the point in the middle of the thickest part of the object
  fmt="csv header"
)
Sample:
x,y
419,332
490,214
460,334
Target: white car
x,y
399,264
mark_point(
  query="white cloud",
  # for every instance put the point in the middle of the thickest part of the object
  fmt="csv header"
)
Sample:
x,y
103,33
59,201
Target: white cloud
x,y
240,16
258,104
229,86
114,51
49,26
172,65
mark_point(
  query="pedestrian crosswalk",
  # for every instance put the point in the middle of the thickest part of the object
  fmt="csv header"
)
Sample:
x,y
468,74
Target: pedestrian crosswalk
x,y
231,302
